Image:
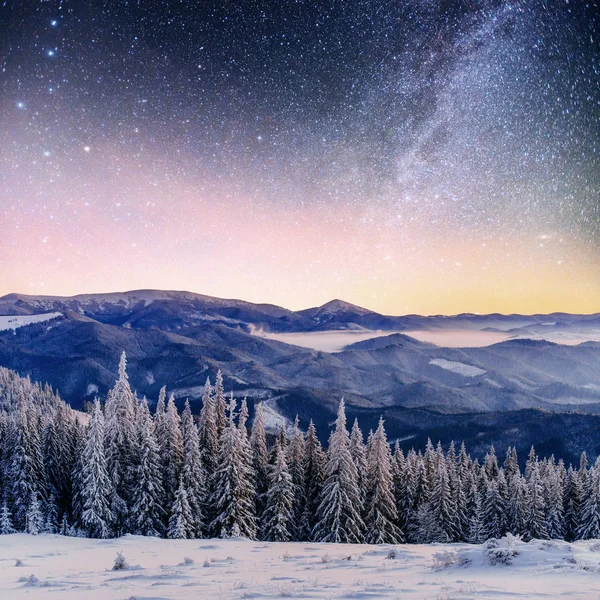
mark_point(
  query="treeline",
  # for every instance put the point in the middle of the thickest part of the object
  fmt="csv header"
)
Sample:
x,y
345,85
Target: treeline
x,y
168,474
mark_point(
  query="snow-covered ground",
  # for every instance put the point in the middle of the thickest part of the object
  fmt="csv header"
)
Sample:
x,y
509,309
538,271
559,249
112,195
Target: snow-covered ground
x,y
73,568
16,321
457,367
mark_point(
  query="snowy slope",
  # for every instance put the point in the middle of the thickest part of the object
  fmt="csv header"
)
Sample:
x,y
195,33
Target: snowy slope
x,y
457,367
14,322
76,568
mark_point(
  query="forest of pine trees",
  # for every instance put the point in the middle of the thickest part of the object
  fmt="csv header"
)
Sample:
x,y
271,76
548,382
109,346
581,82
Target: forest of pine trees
x,y
122,469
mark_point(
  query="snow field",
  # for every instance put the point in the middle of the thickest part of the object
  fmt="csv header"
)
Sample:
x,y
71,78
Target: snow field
x,y
15,321
76,568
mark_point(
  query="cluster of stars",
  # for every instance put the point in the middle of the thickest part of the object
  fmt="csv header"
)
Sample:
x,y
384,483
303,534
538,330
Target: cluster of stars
x,y
409,156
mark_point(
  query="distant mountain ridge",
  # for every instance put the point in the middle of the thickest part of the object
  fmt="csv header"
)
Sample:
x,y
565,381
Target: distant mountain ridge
x,y
181,338
137,305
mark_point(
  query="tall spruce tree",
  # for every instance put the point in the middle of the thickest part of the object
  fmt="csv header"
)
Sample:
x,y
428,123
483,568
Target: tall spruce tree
x,y
536,521
258,444
314,478
120,443
181,524
148,495
339,514
220,403
173,448
232,484
96,485
6,522
192,473
208,435
358,451
381,513
278,518
492,510
438,518
589,526
295,463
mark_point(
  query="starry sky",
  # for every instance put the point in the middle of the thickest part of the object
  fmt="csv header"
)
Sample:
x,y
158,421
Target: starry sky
x,y
410,156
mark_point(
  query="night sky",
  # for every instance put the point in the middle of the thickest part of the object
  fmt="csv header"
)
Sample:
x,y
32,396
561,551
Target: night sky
x,y
409,156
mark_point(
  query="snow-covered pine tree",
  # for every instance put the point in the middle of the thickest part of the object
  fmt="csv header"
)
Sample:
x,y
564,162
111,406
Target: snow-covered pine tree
x,y
459,498
400,488
119,442
64,527
78,439
61,476
531,461
220,403
181,524
517,504
160,418
339,514
35,518
491,464
148,495
208,432
173,448
536,522
6,522
414,476
192,472
295,463
553,492
358,451
511,464
278,518
381,516
233,485
476,529
96,486
51,519
243,417
573,500
590,508
21,475
258,444
492,510
314,478
438,518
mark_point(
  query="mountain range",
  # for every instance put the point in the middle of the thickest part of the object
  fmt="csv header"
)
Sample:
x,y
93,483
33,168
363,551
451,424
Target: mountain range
x,y
523,388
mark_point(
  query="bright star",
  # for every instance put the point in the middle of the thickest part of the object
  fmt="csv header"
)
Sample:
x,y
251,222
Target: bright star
x,y
86,149
54,23
20,105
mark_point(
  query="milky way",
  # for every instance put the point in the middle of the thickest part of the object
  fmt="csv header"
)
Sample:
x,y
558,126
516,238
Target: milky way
x,y
411,156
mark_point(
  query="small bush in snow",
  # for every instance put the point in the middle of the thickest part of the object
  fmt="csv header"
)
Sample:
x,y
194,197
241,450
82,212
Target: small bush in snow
x,y
188,561
18,562
445,559
392,554
120,563
32,581
206,563
326,558
501,556
595,547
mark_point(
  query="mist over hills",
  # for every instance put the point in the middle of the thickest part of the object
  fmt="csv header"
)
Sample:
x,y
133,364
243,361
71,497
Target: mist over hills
x,y
508,392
